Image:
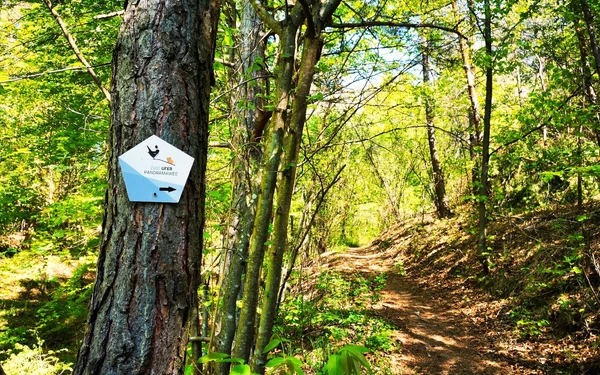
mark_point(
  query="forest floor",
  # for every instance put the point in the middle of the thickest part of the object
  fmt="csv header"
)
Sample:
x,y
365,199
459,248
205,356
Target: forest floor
x,y
436,336
416,297
448,319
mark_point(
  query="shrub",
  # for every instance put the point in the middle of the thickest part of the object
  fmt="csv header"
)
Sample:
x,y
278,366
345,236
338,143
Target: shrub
x,y
33,361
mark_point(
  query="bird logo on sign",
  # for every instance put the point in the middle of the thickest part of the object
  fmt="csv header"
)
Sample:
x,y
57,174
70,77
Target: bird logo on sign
x,y
153,153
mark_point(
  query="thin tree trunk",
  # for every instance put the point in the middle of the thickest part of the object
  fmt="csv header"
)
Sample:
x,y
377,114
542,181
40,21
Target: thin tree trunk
x,y
586,76
145,294
543,83
246,103
441,201
73,45
393,201
589,21
475,110
485,157
300,240
579,164
310,56
272,157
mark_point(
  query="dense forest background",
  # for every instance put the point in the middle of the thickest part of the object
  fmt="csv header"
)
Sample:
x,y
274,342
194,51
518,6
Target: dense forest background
x,y
476,118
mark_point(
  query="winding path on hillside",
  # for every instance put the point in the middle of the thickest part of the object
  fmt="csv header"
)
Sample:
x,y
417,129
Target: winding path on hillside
x,y
435,337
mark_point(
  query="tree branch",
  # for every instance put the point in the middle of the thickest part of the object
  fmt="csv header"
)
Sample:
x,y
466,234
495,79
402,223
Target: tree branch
x,y
309,18
409,25
544,123
235,87
76,50
266,17
219,145
109,15
320,199
228,64
35,75
328,8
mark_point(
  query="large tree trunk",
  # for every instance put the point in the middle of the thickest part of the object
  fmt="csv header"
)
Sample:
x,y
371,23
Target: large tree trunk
x,y
441,201
145,294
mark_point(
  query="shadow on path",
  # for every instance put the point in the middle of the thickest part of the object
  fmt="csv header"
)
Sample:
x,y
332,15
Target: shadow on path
x,y
436,338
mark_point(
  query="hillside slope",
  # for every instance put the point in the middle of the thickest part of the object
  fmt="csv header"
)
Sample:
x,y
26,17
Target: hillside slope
x,y
535,313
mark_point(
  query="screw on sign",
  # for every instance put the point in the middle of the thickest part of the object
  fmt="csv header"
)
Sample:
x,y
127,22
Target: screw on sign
x,y
155,171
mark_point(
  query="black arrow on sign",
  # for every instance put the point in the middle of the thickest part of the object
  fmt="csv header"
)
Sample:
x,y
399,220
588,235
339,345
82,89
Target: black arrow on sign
x,y
169,189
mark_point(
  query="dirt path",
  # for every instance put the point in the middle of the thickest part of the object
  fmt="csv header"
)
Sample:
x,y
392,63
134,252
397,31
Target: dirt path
x,y
436,338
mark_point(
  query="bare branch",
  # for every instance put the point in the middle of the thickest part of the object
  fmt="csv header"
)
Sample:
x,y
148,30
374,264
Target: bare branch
x,y
76,50
109,15
409,25
219,145
35,75
372,137
235,87
320,199
228,64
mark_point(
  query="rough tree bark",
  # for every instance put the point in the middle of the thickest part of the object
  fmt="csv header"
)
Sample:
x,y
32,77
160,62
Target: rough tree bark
x,y
145,295
441,201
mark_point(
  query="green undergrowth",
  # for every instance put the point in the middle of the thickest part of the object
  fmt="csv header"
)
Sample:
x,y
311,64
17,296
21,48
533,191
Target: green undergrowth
x,y
336,311
43,308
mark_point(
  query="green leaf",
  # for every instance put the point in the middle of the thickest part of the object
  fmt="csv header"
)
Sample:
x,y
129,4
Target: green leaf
x,y
271,345
295,364
274,362
334,365
241,370
230,360
345,362
357,352
213,357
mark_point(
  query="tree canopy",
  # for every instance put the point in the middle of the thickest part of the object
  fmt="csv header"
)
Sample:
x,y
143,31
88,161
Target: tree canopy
x,y
329,123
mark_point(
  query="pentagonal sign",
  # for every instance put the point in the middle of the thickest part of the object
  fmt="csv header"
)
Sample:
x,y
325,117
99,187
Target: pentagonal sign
x,y
155,171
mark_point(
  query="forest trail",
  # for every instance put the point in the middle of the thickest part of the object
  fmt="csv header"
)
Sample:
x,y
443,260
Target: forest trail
x,y
435,336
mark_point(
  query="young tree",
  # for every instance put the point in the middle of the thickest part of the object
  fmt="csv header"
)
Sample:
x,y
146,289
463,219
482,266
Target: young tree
x,y
249,121
475,110
487,118
441,201
145,296
271,160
